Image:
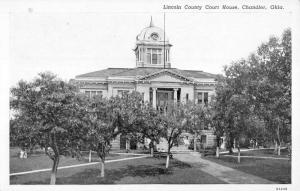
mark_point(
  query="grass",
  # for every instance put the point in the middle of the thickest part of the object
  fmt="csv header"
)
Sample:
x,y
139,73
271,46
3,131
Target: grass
x,y
265,153
147,170
39,160
278,171
137,171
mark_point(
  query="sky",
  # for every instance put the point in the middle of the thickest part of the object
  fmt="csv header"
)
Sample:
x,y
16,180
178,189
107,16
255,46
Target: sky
x,y
69,43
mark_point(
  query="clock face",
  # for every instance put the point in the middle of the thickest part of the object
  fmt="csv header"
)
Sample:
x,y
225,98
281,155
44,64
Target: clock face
x,y
154,36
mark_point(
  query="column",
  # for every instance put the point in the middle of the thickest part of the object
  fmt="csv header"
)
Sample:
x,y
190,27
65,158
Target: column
x,y
154,97
175,95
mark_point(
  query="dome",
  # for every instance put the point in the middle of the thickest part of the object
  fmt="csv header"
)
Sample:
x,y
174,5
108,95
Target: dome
x,y
151,34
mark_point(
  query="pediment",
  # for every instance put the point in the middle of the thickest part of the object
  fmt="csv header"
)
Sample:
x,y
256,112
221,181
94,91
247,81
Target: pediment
x,y
166,76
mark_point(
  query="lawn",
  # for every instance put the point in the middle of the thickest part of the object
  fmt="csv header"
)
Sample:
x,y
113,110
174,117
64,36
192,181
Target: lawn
x,y
275,170
137,171
39,160
265,153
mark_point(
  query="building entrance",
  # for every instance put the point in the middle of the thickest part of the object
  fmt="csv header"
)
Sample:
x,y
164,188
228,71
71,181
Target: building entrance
x,y
164,98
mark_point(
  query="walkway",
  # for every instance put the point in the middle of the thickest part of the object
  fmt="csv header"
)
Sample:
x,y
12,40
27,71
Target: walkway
x,y
258,157
77,165
221,172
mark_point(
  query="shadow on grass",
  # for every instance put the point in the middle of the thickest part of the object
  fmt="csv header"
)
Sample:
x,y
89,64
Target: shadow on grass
x,y
92,176
278,171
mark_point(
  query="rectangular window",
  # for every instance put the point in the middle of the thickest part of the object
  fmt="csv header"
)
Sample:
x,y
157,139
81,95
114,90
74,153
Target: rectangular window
x,y
143,96
187,98
154,56
205,97
151,96
202,97
148,57
154,59
88,93
122,92
159,57
203,139
199,97
93,93
99,93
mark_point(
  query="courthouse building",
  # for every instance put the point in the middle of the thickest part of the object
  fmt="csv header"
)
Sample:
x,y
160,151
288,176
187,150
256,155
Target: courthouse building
x,y
154,77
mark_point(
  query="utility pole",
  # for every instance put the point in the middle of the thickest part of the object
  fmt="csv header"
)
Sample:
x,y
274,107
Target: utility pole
x,y
164,40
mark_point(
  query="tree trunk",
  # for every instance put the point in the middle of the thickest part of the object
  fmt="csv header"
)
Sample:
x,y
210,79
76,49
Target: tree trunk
x,y
218,152
230,150
234,143
276,147
168,158
278,140
55,158
90,156
151,151
127,145
54,170
102,168
218,147
167,162
239,154
195,144
230,146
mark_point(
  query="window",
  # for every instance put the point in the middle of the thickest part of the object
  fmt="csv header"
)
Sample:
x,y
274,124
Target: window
x,y
149,58
154,59
203,138
88,93
154,55
151,97
199,97
92,93
202,97
187,97
143,96
122,92
205,97
167,55
139,54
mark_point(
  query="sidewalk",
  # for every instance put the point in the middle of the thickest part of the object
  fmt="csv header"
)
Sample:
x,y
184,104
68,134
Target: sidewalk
x,y
221,172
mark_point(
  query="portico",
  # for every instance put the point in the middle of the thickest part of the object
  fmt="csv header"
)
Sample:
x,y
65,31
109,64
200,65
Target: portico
x,y
161,97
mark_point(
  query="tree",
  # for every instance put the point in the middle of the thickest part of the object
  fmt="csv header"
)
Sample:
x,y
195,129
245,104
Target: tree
x,y
175,121
200,117
151,126
107,118
21,134
131,115
101,123
255,94
47,109
232,108
271,86
218,120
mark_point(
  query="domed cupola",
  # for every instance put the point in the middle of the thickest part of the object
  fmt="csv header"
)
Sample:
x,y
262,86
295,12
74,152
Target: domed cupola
x,y
152,48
